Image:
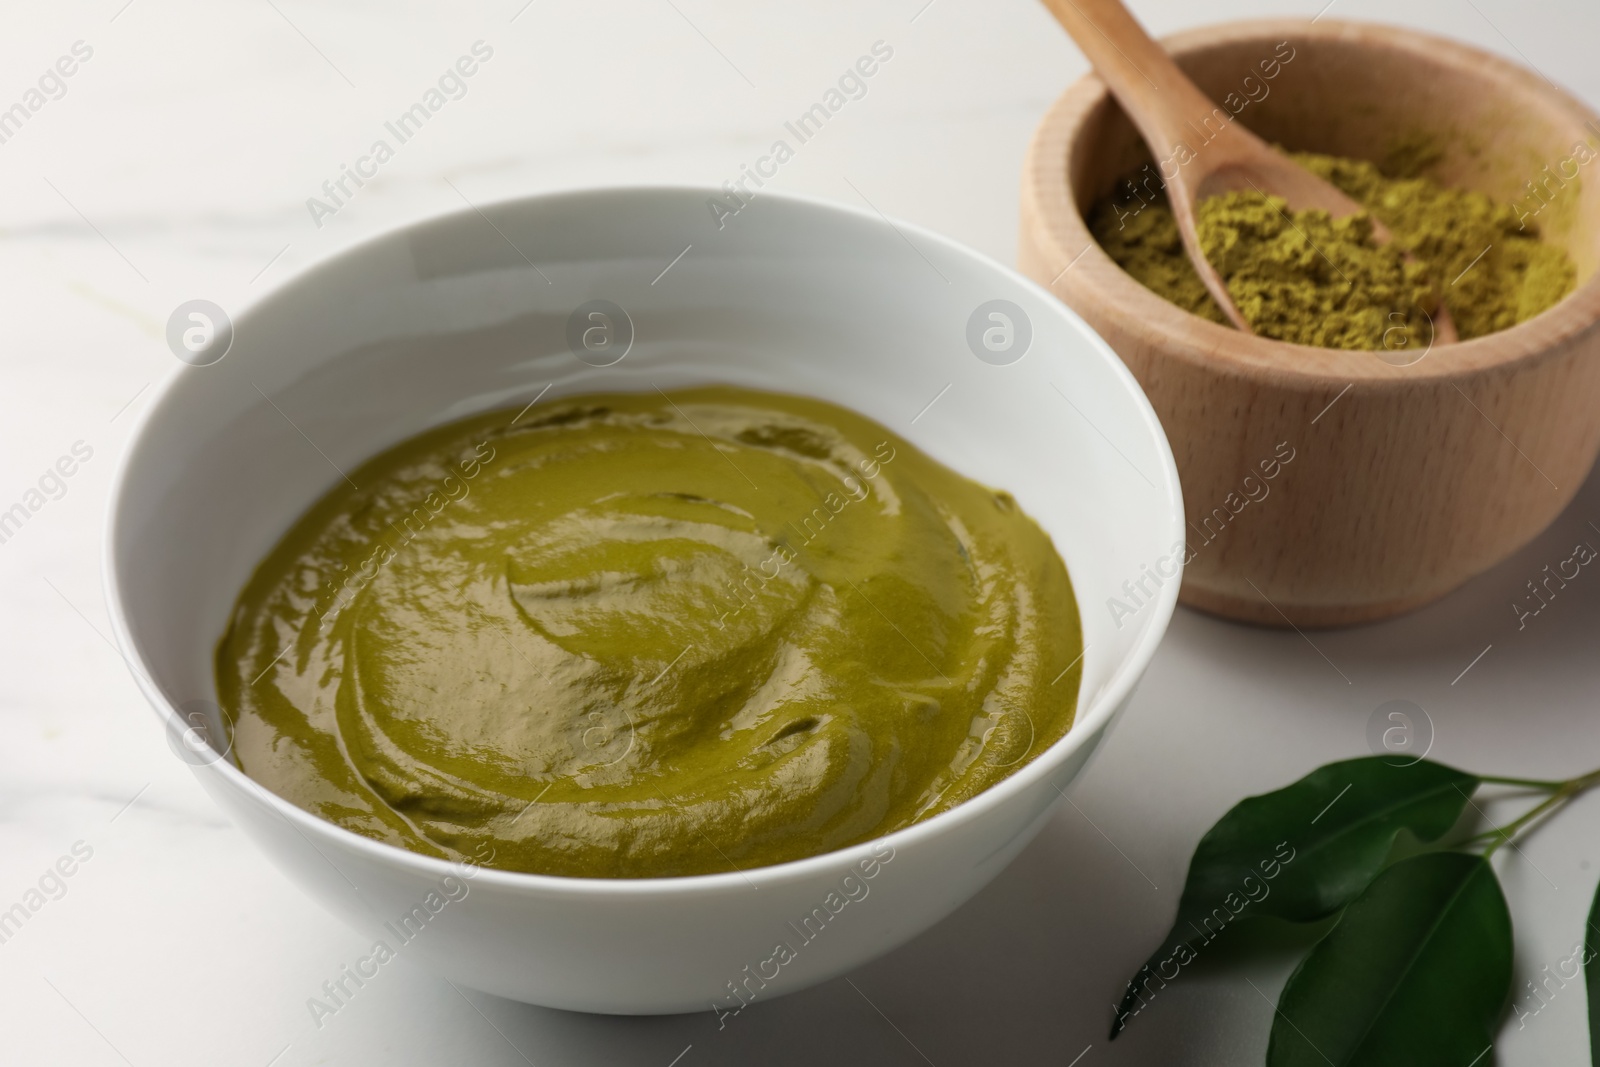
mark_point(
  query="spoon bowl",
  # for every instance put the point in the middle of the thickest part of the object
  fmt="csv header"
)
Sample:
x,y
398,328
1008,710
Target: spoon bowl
x,y
1170,110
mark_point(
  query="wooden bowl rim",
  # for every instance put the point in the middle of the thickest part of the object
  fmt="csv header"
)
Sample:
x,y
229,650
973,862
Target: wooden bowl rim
x,y
1064,237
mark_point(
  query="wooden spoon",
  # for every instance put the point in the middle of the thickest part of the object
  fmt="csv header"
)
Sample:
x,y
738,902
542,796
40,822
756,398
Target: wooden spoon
x,y
1202,151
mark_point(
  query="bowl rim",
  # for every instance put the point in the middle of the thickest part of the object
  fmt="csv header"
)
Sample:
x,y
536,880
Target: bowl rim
x,y
1064,236
1103,705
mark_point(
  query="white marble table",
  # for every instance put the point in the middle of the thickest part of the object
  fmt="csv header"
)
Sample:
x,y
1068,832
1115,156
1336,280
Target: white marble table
x,y
176,163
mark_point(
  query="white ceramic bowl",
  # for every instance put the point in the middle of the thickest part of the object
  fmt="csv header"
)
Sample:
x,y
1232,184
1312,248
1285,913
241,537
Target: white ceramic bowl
x,y
449,317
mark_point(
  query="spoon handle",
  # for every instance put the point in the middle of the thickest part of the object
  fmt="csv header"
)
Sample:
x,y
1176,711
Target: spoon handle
x,y
1164,104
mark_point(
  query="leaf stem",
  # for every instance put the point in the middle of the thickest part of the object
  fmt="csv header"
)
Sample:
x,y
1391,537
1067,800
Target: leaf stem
x,y
1561,793
1503,835
1549,785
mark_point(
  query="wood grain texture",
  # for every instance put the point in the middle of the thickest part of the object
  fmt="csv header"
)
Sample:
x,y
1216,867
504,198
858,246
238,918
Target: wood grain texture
x,y
1405,481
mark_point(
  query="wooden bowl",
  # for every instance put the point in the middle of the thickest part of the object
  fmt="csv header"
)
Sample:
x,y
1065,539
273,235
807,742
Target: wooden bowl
x,y
1329,487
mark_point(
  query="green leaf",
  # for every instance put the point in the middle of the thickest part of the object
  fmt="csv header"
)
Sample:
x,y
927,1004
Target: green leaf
x,y
1300,853
1415,973
1591,976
